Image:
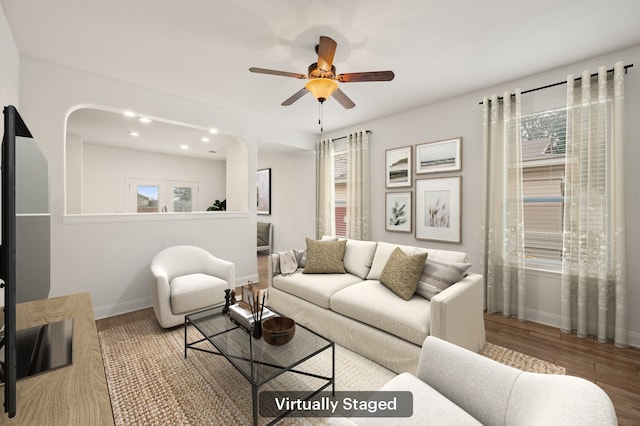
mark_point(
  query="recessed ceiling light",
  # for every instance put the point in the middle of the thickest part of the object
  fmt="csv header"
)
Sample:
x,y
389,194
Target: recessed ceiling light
x,y
134,133
205,139
129,113
213,131
144,120
184,147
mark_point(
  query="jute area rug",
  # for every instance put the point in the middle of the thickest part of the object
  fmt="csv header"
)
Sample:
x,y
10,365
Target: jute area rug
x,y
150,382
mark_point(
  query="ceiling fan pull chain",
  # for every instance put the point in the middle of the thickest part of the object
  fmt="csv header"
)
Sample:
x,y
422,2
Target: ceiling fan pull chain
x,y
320,116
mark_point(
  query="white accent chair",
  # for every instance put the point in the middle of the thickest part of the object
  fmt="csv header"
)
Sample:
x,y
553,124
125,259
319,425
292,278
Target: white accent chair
x,y
186,279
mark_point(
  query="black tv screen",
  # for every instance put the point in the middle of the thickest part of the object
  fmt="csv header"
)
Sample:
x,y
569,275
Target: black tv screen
x,y
13,126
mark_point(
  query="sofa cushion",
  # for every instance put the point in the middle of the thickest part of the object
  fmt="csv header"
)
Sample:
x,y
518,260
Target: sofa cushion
x,y
401,272
325,257
301,257
314,288
449,255
437,275
194,291
382,254
429,406
371,302
358,256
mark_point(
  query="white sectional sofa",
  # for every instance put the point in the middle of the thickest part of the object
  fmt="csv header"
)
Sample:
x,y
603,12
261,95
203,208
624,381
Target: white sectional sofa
x,y
356,310
455,386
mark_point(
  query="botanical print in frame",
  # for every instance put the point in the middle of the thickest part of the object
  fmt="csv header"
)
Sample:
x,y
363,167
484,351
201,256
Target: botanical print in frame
x,y
398,167
438,209
439,156
399,210
263,185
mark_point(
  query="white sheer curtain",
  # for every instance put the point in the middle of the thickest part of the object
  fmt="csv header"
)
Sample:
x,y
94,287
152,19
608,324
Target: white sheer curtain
x,y
325,188
358,185
593,295
502,257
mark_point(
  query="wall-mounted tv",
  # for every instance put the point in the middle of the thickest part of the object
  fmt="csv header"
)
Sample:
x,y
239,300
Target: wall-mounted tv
x,y
13,126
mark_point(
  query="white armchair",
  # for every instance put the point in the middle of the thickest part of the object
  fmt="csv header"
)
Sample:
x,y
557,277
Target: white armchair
x,y
187,279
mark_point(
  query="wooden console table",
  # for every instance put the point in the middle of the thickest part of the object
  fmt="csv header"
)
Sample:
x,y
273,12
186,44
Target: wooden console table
x,y
73,395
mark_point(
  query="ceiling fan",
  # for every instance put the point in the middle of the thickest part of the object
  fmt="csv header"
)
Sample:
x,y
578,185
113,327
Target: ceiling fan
x,y
323,80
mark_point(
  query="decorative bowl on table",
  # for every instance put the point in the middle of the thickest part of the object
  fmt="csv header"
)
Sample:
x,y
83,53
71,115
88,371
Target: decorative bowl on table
x,y
278,330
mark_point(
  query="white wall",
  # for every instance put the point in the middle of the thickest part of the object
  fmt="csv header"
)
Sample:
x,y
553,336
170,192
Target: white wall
x,y
462,116
293,197
109,256
9,66
107,172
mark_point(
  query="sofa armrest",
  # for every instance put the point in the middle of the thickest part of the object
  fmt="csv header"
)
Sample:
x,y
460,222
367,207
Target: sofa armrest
x,y
487,383
457,313
559,399
273,268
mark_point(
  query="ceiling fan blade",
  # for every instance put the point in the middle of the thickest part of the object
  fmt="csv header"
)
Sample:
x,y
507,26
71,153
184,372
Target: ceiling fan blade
x,y
275,72
343,99
326,52
366,76
300,93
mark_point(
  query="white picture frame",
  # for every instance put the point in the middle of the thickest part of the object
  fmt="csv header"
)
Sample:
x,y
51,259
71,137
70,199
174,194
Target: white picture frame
x,y
399,211
439,209
439,156
398,163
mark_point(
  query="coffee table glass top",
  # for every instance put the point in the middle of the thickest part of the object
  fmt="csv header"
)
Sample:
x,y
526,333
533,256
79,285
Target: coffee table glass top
x,y
255,358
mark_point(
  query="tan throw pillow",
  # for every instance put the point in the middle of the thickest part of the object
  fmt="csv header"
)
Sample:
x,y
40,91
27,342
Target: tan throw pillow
x,y
325,257
401,272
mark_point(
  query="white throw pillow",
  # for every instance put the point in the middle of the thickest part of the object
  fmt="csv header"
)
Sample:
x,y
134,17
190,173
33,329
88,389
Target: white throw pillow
x,y
358,257
437,275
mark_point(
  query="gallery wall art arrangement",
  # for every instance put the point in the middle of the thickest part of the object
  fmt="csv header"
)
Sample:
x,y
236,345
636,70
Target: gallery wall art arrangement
x,y
436,206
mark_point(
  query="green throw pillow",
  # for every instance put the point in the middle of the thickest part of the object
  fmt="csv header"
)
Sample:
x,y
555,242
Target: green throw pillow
x,y
325,257
401,272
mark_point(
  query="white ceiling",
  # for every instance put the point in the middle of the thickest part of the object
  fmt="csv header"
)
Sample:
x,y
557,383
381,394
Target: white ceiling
x,y
202,49
113,128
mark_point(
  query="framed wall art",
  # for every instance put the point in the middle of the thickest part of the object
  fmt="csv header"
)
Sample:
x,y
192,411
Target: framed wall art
x,y
439,156
399,211
439,209
398,167
263,185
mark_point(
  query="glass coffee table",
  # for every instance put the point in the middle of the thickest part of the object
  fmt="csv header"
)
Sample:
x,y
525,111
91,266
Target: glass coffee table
x,y
258,361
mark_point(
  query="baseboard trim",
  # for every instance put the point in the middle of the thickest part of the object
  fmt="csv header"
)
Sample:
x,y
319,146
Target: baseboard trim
x,y
127,306
553,320
121,308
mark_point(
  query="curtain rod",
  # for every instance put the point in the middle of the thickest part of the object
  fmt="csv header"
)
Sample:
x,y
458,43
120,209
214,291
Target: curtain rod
x,y
557,84
344,137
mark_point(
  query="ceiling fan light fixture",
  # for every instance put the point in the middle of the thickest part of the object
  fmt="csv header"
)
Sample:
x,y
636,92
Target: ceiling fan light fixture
x,y
321,88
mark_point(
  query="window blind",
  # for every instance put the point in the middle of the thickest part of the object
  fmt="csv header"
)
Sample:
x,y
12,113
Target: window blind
x,y
543,137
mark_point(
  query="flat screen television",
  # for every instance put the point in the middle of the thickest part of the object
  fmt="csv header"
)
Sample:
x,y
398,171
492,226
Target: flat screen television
x,y
13,126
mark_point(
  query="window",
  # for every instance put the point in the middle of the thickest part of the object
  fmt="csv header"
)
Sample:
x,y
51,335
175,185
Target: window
x,y
147,198
543,164
182,198
340,181
155,196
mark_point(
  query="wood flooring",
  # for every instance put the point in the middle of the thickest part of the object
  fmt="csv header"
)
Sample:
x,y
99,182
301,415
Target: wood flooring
x,y
615,370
